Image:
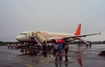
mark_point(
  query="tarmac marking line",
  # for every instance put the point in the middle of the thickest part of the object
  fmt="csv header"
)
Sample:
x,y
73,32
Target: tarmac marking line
x,y
17,61
28,65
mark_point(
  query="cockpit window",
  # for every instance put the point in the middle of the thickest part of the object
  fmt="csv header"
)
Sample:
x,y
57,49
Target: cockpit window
x,y
23,34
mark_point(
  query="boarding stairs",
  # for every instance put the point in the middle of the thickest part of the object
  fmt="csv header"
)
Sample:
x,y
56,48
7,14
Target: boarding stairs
x,y
39,38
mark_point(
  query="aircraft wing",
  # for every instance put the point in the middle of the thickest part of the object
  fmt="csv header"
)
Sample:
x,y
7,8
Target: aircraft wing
x,y
81,36
77,34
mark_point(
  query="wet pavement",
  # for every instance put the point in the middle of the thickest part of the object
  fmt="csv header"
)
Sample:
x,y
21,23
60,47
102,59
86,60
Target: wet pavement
x,y
90,58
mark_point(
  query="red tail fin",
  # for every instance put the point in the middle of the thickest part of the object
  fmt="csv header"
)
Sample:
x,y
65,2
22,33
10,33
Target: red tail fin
x,y
78,30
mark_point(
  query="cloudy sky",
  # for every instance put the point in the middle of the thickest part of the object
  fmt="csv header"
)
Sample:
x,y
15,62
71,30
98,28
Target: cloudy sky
x,y
17,16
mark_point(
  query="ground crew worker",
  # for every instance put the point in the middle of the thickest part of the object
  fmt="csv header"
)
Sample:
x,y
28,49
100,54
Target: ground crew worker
x,y
60,47
55,50
14,46
49,49
26,45
66,48
66,51
90,44
87,45
11,46
44,49
8,45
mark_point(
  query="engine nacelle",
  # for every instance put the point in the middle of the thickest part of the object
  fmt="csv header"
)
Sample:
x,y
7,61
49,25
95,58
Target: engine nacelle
x,y
60,41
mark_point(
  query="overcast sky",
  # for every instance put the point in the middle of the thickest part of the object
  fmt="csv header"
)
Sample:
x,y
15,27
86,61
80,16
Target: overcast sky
x,y
17,16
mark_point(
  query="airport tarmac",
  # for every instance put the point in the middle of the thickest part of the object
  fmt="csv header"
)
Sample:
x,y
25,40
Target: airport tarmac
x,y
90,58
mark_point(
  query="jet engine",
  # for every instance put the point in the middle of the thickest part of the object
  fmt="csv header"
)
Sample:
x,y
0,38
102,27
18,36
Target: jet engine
x,y
60,41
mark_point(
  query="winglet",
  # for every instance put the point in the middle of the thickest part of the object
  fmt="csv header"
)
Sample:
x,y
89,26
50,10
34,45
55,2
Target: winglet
x,y
78,30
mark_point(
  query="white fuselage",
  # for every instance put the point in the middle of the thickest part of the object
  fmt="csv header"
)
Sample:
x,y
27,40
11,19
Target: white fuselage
x,y
25,36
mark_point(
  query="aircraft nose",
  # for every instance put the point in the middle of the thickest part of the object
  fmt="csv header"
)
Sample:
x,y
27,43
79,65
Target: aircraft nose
x,y
18,38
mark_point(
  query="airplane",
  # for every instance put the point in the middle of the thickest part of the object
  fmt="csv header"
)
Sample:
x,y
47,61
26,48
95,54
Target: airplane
x,y
43,36
34,36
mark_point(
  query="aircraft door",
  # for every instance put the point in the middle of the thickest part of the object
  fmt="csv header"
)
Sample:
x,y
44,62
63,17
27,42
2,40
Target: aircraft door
x,y
31,34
